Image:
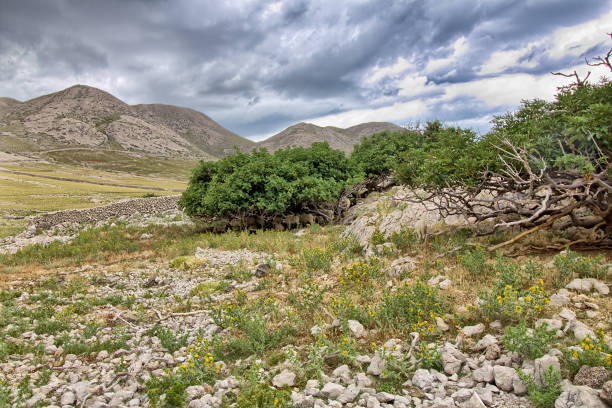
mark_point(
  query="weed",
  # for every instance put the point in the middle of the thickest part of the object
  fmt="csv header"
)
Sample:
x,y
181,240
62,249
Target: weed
x,y
570,264
168,339
543,395
591,352
204,289
411,308
475,261
315,259
529,345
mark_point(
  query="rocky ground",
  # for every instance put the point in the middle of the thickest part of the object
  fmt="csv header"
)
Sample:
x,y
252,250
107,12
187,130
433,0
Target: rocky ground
x,y
316,323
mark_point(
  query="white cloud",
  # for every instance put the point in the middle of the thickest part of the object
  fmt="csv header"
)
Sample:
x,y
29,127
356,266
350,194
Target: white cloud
x,y
460,47
578,39
510,89
399,67
396,112
500,61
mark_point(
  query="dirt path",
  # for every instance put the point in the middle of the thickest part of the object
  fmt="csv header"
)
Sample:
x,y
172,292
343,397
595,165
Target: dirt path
x,y
100,183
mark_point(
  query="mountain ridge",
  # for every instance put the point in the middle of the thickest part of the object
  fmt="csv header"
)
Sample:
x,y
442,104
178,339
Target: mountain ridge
x,y
85,117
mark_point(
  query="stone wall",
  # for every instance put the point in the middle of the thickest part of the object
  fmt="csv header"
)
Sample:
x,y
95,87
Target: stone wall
x,y
152,205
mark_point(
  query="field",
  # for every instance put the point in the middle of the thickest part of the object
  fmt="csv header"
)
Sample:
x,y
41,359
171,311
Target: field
x,y
34,187
321,313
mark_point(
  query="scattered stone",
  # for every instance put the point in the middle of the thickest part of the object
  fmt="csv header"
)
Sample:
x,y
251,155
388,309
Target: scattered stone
x,y
441,324
567,314
485,342
262,270
493,352
470,331
553,324
606,393
542,365
376,366
582,331
578,396
399,266
557,299
285,379
503,377
423,379
356,328
483,374
349,394
474,402
594,377
452,359
445,284
332,390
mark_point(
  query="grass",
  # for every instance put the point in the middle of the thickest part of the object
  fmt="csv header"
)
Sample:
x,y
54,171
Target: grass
x,y
26,195
101,160
321,277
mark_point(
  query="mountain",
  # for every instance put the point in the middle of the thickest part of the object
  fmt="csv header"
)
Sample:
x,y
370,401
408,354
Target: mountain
x,y
304,134
87,117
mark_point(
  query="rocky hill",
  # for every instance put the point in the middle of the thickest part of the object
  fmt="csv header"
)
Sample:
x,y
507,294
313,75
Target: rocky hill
x,y
304,134
86,117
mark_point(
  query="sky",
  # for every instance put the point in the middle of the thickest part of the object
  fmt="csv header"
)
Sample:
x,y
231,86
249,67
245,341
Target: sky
x,y
257,67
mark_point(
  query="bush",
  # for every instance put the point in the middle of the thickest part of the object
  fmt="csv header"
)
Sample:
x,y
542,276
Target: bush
x,y
529,345
411,308
267,184
570,263
543,395
590,352
380,153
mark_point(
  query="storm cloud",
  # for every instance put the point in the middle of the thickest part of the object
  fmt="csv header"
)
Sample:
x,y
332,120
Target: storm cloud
x,y
257,67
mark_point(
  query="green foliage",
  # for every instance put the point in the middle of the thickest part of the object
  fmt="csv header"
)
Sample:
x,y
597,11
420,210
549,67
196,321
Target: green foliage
x,y
446,156
199,368
543,395
263,183
475,261
570,263
529,345
315,259
563,130
590,352
256,392
411,308
403,239
380,153
169,340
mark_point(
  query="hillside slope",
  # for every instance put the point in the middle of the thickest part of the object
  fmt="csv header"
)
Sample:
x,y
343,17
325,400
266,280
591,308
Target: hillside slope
x,y
304,134
87,117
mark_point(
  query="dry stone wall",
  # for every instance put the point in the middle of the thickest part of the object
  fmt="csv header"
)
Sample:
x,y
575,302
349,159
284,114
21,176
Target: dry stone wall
x,y
125,208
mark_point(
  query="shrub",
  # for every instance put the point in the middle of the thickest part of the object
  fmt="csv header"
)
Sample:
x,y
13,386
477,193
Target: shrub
x,y
529,345
315,259
267,184
570,263
543,395
590,352
411,308
168,339
475,261
199,368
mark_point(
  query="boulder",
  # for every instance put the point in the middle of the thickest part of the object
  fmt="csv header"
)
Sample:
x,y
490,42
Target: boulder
x,y
452,359
606,393
542,365
356,328
594,377
285,379
578,396
503,377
